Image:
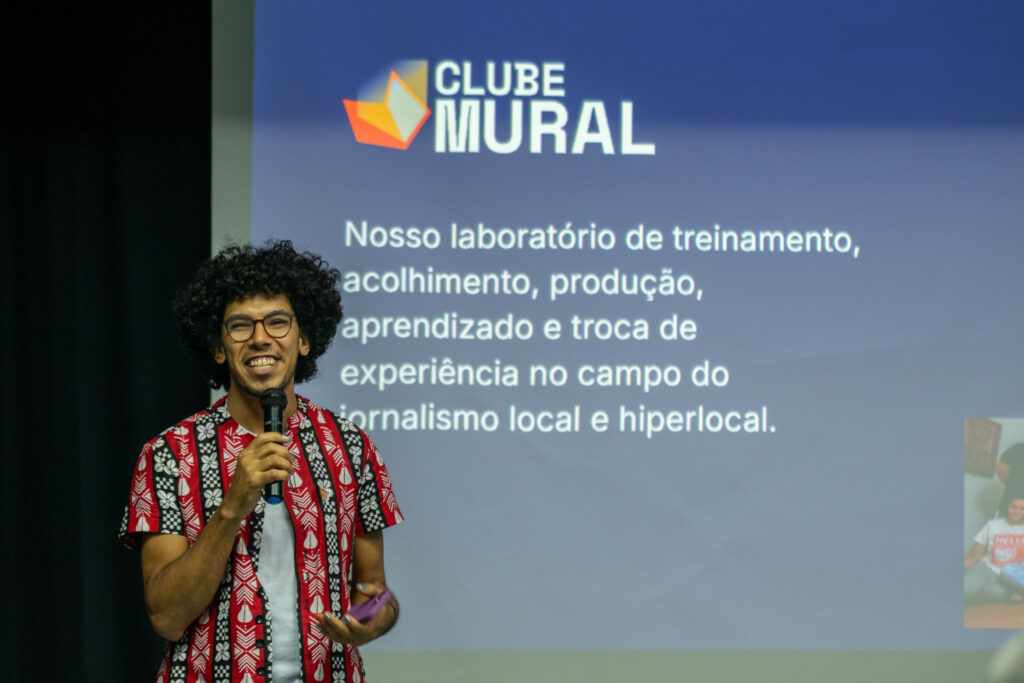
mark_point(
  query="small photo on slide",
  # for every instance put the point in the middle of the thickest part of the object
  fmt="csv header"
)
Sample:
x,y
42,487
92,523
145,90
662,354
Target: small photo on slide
x,y
994,523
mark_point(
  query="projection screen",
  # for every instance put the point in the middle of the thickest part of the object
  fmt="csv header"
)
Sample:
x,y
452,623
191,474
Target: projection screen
x,y
672,320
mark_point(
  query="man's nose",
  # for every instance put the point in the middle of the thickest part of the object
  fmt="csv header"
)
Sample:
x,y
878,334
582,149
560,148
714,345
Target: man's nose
x,y
260,336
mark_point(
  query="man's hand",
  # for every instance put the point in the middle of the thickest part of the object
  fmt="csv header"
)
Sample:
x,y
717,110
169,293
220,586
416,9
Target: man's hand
x,y
348,630
263,461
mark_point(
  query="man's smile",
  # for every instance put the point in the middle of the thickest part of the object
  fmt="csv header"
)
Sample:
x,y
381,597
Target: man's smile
x,y
262,365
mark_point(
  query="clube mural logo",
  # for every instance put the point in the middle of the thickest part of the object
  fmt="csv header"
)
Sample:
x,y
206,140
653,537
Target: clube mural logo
x,y
494,107
392,107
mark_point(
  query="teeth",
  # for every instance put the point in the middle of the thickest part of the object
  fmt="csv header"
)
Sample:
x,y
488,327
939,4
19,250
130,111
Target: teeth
x,y
261,362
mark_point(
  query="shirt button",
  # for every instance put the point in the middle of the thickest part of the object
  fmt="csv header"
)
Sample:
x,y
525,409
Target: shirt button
x,y
259,642
262,671
259,619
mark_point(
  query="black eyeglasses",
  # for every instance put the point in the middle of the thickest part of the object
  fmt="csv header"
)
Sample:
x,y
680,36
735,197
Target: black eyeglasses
x,y
241,327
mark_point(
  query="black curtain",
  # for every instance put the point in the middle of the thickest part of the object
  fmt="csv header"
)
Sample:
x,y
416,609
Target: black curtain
x,y
105,211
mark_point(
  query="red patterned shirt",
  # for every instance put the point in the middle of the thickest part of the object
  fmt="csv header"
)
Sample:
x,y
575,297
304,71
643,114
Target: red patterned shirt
x,y
339,488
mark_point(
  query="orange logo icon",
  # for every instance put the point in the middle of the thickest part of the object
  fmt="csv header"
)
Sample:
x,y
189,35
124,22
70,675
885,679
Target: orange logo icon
x,y
392,108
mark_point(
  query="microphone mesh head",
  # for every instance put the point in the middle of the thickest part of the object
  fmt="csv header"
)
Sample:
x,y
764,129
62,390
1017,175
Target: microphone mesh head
x,y
273,398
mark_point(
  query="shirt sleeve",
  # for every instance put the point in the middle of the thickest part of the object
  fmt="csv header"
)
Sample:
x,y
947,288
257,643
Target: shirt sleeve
x,y
377,507
153,502
984,536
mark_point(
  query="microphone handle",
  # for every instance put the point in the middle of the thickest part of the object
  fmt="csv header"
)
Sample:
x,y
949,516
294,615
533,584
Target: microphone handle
x,y
273,421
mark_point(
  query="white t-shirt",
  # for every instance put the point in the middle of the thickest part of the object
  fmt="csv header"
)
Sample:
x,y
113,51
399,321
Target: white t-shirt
x,y
1005,544
277,576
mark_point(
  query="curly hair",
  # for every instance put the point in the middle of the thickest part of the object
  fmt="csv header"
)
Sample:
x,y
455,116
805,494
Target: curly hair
x,y
238,271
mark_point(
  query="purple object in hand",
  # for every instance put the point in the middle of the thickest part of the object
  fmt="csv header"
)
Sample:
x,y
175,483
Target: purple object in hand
x,y
364,611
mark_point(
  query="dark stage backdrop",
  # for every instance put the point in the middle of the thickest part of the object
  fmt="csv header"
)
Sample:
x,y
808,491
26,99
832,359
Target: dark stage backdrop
x,y
104,209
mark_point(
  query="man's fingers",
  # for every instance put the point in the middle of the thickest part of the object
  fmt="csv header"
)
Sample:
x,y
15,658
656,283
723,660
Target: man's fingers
x,y
276,462
272,475
269,437
369,589
272,457
343,629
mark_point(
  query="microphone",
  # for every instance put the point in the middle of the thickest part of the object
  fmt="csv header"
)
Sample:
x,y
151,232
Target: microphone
x,y
273,402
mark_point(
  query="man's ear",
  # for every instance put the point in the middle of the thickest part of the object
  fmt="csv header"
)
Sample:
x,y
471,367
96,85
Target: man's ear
x,y
303,345
219,355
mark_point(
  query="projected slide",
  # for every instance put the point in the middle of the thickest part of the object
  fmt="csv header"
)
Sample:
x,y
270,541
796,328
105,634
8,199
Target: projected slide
x,y
665,316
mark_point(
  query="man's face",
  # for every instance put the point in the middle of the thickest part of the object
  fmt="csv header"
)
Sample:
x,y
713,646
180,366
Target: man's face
x,y
262,361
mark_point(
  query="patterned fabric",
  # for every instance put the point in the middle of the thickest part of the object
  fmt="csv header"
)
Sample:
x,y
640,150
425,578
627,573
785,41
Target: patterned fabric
x,y
339,488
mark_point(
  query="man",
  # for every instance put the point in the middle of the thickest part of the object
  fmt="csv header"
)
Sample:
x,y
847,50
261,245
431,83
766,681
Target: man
x,y
245,590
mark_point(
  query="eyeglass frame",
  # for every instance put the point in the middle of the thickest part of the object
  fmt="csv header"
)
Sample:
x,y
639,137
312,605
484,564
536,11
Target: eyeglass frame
x,y
255,321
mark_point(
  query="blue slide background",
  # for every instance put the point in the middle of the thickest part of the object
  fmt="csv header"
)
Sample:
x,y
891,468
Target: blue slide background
x,y
899,123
